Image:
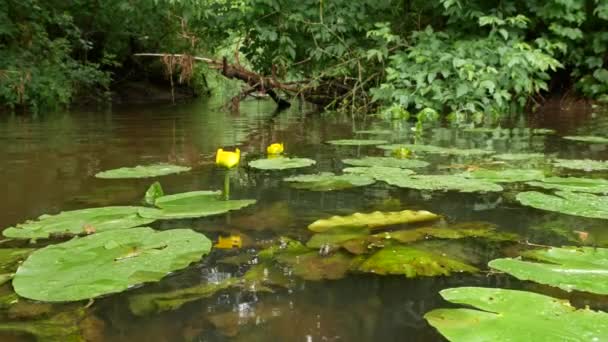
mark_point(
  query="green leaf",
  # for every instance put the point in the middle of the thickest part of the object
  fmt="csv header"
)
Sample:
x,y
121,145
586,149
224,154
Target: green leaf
x,y
569,268
443,183
412,262
581,164
336,236
356,142
327,181
312,266
108,262
142,171
588,138
193,204
519,156
387,162
372,220
437,149
506,176
282,163
66,325
586,205
154,191
574,184
500,315
380,173
77,222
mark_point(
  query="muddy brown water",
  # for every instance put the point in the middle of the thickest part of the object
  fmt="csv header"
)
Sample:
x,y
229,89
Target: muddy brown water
x,y
47,164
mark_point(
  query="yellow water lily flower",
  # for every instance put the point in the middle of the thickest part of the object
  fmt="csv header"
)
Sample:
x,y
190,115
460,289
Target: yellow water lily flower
x,y
232,241
276,148
402,153
228,159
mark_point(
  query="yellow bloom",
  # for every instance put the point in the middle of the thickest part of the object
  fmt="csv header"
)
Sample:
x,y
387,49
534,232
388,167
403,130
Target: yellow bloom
x,y
402,153
228,159
232,241
276,148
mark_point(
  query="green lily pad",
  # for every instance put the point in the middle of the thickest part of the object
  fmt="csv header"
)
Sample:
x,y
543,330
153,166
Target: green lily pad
x,y
193,204
372,220
569,268
386,162
356,142
380,173
142,171
108,262
437,149
281,163
507,315
578,204
411,262
154,191
78,222
587,138
153,303
587,165
444,183
519,156
574,184
327,181
506,176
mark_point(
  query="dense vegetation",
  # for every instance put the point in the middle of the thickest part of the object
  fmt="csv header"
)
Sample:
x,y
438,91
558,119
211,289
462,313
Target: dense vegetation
x,y
464,58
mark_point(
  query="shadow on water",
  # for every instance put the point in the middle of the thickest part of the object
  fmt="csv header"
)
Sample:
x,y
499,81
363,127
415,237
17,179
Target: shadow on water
x,y
48,163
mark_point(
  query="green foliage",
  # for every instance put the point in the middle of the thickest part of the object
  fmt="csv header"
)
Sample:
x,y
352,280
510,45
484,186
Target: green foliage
x,y
142,171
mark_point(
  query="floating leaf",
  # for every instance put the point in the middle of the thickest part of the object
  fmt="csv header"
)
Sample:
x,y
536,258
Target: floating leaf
x,y
506,176
108,262
443,183
569,268
356,142
437,149
578,204
142,171
327,181
581,164
508,315
519,156
587,138
412,262
154,191
387,162
281,163
193,204
380,173
372,220
77,222
574,184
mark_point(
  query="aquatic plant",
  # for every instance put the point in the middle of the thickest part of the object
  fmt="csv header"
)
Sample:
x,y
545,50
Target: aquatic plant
x,y
193,204
281,163
276,148
578,204
386,162
142,171
356,142
372,220
227,159
328,181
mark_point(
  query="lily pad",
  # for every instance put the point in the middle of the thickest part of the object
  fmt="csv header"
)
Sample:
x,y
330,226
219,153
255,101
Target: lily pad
x,y
281,163
578,204
412,262
444,183
193,204
437,149
327,181
108,262
581,164
77,222
372,220
574,184
519,156
386,162
154,191
380,173
356,142
506,176
569,268
587,138
142,171
508,315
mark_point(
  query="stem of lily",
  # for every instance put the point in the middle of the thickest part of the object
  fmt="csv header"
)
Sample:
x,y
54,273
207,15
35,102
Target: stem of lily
x,y
227,185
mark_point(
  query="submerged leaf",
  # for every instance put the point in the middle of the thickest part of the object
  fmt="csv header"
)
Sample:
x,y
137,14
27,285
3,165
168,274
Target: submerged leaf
x,y
581,164
312,266
574,184
64,326
569,268
356,142
387,162
500,315
337,236
437,149
107,262
412,262
506,176
77,222
281,163
372,220
154,191
193,204
578,204
587,138
327,181
142,171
